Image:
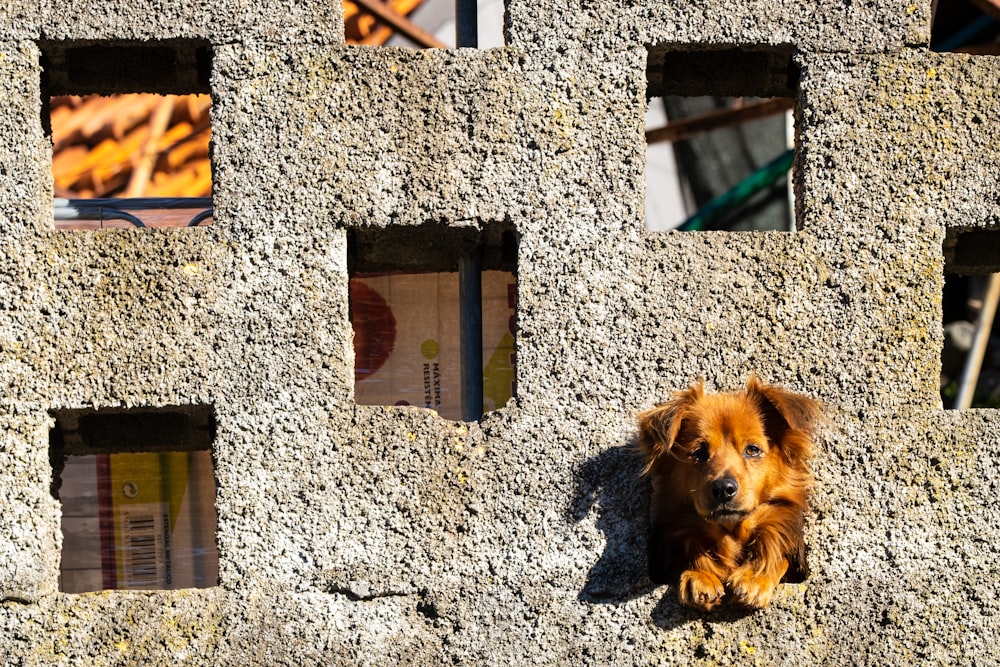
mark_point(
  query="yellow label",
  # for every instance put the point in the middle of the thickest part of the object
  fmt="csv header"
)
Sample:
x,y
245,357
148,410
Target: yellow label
x,y
147,490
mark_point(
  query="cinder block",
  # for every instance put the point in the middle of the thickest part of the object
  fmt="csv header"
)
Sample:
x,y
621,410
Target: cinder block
x,y
921,521
217,21
25,195
95,625
20,19
827,25
896,143
29,520
378,136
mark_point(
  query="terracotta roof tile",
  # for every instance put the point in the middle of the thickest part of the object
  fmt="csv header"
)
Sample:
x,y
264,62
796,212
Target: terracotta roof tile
x,y
100,144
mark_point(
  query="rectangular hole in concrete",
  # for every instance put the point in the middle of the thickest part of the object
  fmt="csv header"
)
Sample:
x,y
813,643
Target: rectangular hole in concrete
x,y
137,489
130,128
970,357
407,310
720,139
966,26
421,23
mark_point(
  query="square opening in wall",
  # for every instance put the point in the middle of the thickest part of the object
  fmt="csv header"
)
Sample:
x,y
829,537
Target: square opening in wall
x,y
720,140
966,26
137,489
970,357
127,152
425,23
434,316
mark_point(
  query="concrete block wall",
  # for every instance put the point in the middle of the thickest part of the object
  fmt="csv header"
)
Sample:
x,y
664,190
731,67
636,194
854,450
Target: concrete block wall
x,y
373,535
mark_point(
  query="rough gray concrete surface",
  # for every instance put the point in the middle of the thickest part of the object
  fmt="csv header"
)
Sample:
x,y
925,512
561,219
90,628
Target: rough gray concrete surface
x,y
820,25
213,20
381,536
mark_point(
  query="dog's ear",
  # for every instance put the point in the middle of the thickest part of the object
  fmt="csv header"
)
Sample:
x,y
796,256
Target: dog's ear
x,y
659,427
789,418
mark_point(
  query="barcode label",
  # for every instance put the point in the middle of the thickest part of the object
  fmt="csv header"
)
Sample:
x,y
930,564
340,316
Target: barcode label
x,y
144,548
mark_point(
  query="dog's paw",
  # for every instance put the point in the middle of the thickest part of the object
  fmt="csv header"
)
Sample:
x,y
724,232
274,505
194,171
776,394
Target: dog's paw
x,y
701,590
752,589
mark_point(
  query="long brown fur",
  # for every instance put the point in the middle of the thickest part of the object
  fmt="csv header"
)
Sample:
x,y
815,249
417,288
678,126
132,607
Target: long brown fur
x,y
731,482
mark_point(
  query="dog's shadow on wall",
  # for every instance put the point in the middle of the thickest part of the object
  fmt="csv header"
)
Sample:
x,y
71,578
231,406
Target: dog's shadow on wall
x,y
611,486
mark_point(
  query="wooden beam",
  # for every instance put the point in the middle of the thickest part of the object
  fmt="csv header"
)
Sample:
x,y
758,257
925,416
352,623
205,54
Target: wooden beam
x,y
685,128
383,12
142,167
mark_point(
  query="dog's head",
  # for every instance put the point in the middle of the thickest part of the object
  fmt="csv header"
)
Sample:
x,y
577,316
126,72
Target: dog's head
x,y
725,454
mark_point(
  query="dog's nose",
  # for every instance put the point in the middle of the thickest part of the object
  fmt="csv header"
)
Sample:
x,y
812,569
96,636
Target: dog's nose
x,y
724,489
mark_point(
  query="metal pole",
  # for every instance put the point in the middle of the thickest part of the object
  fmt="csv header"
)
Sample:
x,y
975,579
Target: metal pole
x,y
466,23
470,266
974,362
789,184
470,308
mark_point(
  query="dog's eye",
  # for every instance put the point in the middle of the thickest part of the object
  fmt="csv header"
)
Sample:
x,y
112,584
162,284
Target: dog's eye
x,y
700,455
752,452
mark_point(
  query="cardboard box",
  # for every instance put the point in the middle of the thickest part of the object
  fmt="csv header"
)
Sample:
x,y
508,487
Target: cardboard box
x,y
406,340
141,521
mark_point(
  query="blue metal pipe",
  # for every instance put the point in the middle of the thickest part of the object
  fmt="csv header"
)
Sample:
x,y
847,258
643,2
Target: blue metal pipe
x,y
466,23
470,308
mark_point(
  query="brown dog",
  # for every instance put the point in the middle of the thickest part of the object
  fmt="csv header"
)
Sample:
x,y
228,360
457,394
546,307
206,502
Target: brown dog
x,y
730,485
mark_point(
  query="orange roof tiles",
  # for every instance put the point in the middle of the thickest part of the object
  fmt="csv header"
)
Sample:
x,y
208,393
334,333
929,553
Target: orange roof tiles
x,y
130,145
363,28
